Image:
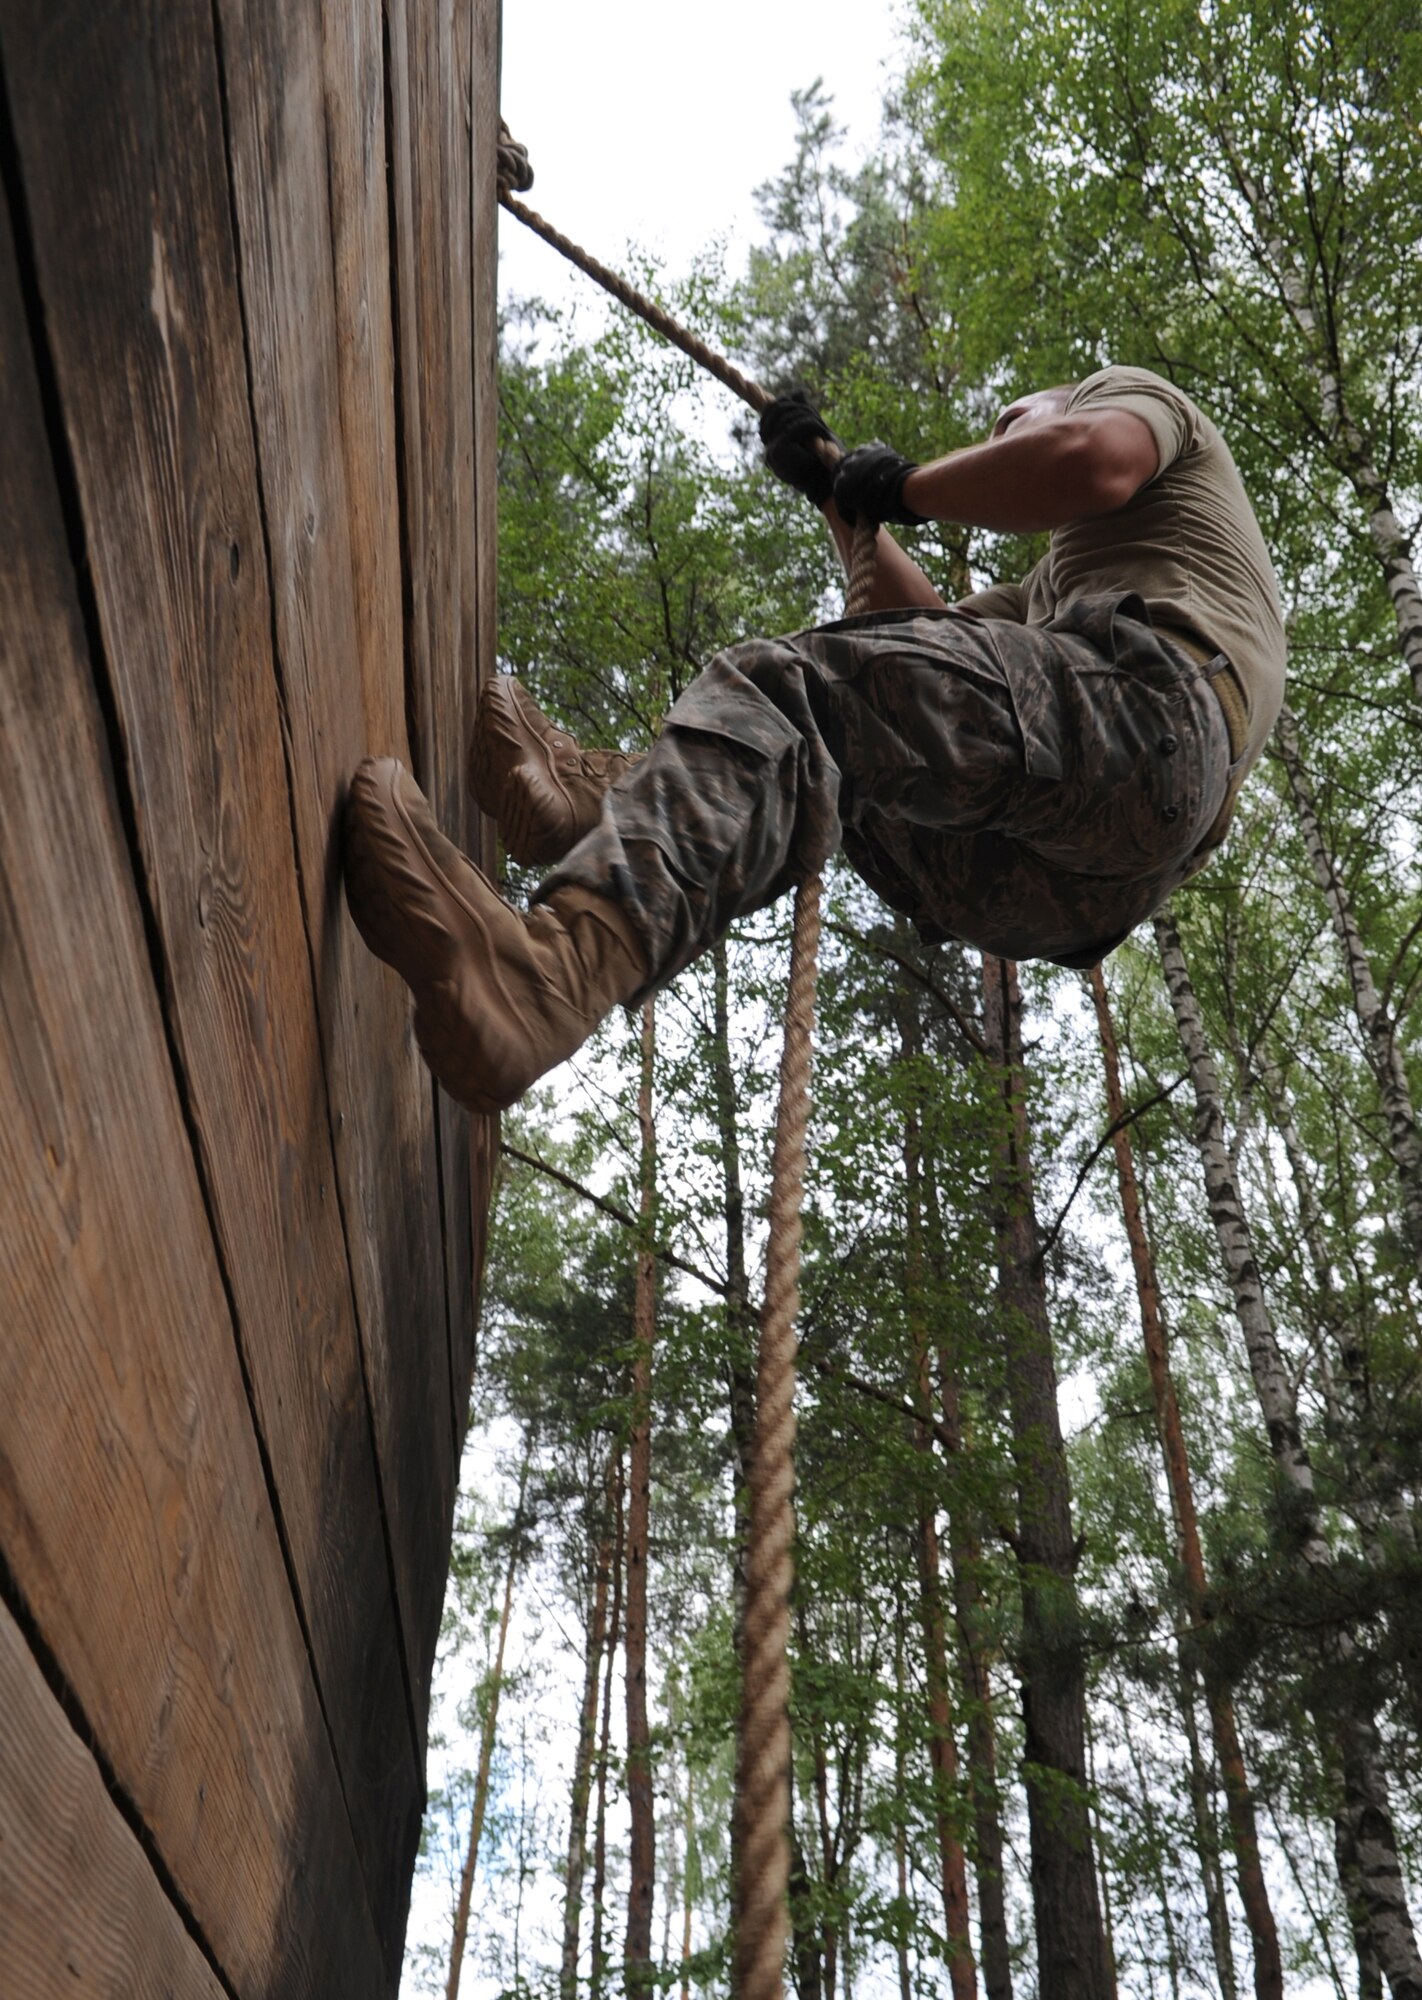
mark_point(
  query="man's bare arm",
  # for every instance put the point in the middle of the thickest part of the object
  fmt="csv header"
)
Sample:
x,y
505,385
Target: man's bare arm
x,y
1039,475
899,583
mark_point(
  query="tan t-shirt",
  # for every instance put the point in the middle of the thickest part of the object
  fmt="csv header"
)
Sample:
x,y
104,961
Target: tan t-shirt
x,y
1188,542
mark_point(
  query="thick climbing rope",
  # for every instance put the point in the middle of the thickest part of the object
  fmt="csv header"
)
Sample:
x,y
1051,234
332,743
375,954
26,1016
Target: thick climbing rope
x,y
763,1773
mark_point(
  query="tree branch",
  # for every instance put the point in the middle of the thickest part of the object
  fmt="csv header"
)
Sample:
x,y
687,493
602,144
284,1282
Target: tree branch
x,y
1117,1125
663,1251
950,1007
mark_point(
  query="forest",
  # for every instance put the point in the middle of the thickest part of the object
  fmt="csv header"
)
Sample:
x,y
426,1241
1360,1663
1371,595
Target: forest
x,y
1107,1627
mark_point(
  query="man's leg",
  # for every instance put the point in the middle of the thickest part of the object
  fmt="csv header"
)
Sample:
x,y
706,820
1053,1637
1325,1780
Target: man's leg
x,y
500,998
742,796
1031,791
734,802
540,785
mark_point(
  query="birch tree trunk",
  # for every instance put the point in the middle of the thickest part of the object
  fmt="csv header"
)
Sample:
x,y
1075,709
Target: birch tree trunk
x,y
1404,1142
905,1912
1253,1892
487,1737
1385,1524
1366,1840
642,1860
688,1839
1347,448
583,1759
1072,1958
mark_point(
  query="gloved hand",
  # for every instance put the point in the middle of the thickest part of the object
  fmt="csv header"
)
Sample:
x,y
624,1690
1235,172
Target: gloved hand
x,y
870,480
788,429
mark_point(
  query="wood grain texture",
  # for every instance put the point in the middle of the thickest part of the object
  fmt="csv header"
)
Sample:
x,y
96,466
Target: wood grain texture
x,y
359,201
134,1512
119,1940
149,297
484,258
429,109
380,1093
145,327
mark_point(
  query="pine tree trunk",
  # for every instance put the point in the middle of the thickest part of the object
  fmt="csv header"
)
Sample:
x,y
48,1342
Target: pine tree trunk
x,y
942,1750
1072,1958
1404,1142
1254,1895
583,1759
642,1860
966,1562
1207,1844
827,1932
486,1740
1372,1880
598,1969
806,1960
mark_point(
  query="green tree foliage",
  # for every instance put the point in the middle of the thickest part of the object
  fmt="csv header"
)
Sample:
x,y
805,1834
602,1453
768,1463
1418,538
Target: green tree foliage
x,y
1228,194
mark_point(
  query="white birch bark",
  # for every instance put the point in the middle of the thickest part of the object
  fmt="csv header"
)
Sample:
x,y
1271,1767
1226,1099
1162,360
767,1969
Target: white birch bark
x,y
1366,1839
1350,453
1380,1045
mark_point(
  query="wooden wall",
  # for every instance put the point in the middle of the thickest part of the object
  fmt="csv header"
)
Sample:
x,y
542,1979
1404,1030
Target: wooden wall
x,y
246,535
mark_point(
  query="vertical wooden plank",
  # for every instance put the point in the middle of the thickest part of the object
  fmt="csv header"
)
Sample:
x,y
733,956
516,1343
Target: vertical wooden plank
x,y
431,161
81,1911
385,1149
143,317
359,194
135,1518
484,251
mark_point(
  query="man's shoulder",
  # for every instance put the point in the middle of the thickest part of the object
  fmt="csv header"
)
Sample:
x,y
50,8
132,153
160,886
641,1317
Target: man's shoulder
x,y
1121,379
1178,425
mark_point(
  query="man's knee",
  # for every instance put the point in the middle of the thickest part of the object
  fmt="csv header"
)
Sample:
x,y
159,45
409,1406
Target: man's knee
x,y
752,694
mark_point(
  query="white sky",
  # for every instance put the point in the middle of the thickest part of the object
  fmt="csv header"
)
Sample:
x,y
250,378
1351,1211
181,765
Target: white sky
x,y
654,123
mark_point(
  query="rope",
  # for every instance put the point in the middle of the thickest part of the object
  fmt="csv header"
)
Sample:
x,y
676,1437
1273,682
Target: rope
x,y
513,157
763,1771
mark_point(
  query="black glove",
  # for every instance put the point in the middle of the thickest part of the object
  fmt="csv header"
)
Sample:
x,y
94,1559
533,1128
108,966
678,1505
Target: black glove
x,y
788,429
870,481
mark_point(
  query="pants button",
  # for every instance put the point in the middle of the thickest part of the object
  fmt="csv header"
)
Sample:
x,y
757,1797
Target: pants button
x,y
1169,745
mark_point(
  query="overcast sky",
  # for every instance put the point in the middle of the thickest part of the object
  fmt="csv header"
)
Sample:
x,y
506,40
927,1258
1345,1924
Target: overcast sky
x,y
652,123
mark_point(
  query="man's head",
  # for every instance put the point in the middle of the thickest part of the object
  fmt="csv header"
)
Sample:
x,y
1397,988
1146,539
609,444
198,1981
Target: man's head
x,y
1040,406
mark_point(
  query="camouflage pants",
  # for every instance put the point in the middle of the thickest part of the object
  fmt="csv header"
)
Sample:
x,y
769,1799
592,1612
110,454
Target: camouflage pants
x,y
1033,791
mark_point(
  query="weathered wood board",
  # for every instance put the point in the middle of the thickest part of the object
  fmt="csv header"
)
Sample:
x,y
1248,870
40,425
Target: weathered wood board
x,y
135,1517
146,338
246,536
122,1940
430,111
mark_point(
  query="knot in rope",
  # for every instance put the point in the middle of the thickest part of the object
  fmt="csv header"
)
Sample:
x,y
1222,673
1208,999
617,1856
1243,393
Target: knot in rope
x,y
513,173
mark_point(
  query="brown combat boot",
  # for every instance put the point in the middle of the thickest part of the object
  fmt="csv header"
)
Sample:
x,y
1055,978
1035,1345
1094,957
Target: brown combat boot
x,y
499,997
544,790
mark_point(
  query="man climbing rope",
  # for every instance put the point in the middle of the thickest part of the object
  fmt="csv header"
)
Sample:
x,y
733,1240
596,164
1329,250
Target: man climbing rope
x,y
1032,771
